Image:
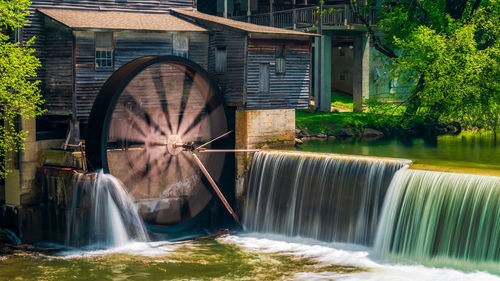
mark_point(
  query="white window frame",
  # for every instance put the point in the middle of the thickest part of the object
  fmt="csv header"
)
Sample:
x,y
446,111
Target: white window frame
x,y
180,45
104,54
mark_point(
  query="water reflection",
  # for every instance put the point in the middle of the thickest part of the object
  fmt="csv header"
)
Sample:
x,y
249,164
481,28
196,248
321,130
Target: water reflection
x,y
465,150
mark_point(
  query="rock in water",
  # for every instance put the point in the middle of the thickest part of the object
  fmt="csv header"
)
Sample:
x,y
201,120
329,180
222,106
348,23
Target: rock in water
x,y
371,133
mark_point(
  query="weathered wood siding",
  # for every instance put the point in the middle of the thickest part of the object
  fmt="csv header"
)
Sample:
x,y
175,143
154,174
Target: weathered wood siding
x,y
288,90
35,28
132,45
232,82
128,45
58,86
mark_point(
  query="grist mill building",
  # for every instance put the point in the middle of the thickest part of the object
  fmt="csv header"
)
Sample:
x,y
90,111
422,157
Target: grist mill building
x,y
263,73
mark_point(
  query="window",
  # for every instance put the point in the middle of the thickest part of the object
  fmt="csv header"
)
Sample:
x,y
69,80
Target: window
x,y
280,60
103,50
264,77
220,59
180,46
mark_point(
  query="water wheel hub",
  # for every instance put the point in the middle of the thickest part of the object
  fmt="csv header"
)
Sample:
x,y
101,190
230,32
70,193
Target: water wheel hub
x,y
175,145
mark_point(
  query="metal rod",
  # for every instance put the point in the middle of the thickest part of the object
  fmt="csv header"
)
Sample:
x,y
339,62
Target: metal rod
x,y
221,136
229,150
216,188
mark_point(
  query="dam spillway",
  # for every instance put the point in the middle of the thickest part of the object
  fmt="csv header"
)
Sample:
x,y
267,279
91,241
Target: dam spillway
x,y
402,215
441,219
327,197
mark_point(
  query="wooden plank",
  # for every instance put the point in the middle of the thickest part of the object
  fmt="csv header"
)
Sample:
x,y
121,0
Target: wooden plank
x,y
58,85
129,45
233,80
288,90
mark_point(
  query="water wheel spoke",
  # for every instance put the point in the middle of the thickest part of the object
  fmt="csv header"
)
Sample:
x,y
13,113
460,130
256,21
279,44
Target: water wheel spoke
x,y
176,87
167,104
196,98
202,115
162,96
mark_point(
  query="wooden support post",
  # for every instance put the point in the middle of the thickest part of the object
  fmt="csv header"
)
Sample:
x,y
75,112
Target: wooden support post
x,y
361,71
249,10
271,17
225,9
294,19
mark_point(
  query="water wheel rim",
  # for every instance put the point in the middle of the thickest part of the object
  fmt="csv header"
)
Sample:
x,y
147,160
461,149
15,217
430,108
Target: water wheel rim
x,y
107,99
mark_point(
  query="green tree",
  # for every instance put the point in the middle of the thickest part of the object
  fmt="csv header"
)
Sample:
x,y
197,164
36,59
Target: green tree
x,y
451,50
20,97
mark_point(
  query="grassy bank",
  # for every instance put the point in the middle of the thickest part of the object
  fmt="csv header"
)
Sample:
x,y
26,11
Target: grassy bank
x,y
354,124
341,102
335,123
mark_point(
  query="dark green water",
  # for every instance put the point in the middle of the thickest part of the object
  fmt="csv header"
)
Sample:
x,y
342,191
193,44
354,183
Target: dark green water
x,y
463,151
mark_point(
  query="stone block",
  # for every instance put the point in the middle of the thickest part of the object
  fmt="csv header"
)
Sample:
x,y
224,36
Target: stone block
x,y
260,129
13,188
30,151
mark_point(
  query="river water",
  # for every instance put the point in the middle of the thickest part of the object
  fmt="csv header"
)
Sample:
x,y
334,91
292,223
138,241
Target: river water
x,y
465,151
249,256
409,228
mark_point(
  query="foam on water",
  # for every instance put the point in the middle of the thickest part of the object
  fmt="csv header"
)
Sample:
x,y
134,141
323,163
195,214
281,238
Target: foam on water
x,y
308,248
146,249
348,255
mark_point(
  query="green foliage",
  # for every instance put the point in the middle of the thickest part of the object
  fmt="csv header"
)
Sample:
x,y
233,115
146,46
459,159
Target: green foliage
x,y
13,13
451,49
319,13
20,97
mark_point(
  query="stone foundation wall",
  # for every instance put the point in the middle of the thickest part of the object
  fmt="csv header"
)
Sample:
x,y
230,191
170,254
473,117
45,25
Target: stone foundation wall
x,y
20,184
43,217
35,197
274,128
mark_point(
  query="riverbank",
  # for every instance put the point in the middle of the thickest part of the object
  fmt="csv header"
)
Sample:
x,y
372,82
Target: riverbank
x,y
367,125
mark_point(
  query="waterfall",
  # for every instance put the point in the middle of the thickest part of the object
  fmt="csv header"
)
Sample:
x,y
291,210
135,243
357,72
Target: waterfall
x,y
442,219
322,196
102,214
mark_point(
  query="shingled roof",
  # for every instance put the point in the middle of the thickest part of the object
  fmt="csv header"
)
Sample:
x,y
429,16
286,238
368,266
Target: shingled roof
x,y
78,19
241,26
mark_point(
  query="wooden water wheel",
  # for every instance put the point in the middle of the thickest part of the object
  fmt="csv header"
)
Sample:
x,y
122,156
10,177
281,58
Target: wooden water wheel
x,y
146,128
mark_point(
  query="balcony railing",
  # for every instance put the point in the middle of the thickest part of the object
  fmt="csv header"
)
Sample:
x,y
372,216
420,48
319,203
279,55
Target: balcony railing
x,y
308,17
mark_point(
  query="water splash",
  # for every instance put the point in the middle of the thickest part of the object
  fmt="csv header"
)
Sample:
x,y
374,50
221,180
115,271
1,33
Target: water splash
x,y
442,219
322,196
9,236
335,255
102,213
